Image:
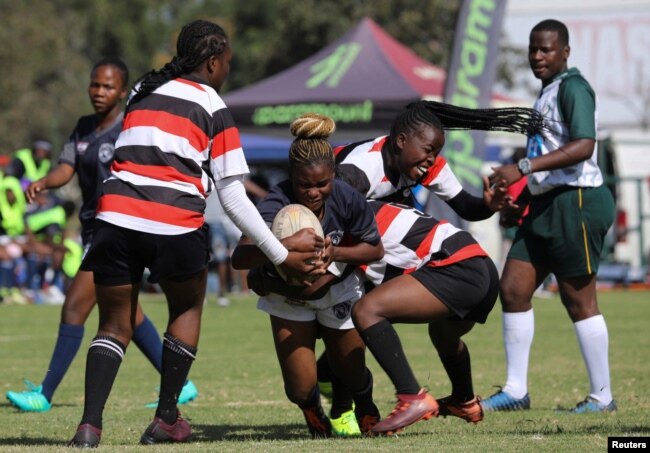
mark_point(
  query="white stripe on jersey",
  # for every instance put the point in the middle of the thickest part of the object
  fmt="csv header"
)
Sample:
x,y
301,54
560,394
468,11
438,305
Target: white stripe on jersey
x,y
229,164
141,224
180,90
445,185
139,180
166,142
372,164
399,255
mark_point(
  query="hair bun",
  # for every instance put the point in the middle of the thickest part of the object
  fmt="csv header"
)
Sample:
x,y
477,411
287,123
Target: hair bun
x,y
313,126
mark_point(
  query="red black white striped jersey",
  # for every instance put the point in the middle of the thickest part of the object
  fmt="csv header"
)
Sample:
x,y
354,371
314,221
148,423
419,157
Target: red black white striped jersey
x,y
174,144
413,239
374,178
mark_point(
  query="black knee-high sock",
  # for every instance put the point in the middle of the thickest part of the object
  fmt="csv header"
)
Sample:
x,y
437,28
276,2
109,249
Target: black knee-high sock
x,y
341,397
385,345
363,397
103,361
323,369
459,370
177,360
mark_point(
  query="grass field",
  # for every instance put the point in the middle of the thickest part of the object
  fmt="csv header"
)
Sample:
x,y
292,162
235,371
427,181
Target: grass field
x,y
242,406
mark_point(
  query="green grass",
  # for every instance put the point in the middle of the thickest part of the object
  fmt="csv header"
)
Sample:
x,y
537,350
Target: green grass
x,y
242,406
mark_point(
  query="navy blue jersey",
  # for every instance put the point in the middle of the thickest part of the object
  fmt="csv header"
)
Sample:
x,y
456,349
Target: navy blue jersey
x,y
347,219
91,152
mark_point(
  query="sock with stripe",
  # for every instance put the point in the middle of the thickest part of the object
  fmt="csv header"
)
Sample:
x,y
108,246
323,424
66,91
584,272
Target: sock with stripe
x,y
177,358
105,355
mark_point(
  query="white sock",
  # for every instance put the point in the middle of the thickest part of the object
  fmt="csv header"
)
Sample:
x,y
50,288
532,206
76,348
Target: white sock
x,y
518,331
594,342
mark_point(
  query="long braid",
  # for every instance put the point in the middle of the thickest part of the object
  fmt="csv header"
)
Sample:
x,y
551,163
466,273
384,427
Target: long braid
x,y
518,120
311,146
197,41
446,116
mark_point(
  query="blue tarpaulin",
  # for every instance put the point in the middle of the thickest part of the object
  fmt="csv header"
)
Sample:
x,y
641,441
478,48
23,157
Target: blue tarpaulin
x,y
261,148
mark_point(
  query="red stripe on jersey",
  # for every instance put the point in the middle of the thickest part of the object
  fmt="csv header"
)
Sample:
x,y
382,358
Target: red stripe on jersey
x,y
425,246
338,149
167,122
225,141
377,146
190,83
465,253
385,217
156,212
434,170
159,172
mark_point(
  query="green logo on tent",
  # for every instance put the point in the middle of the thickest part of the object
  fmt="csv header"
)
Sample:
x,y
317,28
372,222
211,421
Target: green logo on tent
x,y
285,114
333,67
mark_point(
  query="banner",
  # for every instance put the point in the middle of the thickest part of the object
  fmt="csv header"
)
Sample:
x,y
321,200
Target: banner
x,y
470,76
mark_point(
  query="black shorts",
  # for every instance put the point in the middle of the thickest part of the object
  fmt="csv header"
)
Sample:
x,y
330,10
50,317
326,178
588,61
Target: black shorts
x,y
468,288
118,256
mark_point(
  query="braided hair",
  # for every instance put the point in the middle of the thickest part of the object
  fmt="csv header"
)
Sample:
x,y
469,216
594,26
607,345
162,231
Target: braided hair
x,y
311,147
197,41
446,116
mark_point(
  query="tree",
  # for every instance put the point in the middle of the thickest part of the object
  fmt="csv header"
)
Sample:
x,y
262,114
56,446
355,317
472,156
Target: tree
x,y
49,47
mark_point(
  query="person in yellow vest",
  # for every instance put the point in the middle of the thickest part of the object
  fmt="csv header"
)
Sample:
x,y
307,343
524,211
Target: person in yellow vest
x,y
45,222
12,229
31,164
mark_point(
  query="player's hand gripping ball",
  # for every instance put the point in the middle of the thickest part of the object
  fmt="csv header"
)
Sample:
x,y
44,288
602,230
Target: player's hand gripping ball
x,y
288,221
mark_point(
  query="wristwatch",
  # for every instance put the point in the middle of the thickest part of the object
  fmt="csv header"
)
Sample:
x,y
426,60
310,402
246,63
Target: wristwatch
x,y
525,167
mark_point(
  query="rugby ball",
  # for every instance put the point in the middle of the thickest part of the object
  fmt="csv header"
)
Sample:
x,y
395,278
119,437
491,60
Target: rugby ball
x,y
289,220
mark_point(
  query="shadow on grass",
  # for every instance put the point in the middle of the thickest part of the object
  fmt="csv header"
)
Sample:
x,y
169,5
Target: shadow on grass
x,y
200,433
292,432
239,433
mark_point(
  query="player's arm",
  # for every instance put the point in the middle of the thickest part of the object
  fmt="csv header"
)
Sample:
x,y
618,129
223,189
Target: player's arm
x,y
57,177
361,253
248,255
469,207
263,282
245,216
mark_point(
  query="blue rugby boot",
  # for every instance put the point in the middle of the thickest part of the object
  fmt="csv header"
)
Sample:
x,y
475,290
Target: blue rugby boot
x,y
593,405
502,401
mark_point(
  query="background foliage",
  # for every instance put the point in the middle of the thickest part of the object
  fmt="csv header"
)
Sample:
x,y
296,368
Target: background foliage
x,y
49,47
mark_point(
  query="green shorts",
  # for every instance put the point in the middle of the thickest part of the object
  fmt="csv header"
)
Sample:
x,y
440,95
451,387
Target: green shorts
x,y
565,229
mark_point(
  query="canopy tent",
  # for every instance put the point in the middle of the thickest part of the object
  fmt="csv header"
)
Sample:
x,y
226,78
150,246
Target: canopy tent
x,y
361,80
